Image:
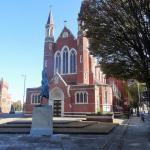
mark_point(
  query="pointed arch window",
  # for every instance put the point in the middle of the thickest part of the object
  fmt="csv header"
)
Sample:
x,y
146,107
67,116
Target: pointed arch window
x,y
51,31
78,97
72,61
81,97
58,63
106,97
65,61
35,98
39,99
85,97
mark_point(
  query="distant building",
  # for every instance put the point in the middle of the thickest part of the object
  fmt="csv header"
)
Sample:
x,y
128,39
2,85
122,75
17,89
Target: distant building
x,y
120,95
5,98
32,98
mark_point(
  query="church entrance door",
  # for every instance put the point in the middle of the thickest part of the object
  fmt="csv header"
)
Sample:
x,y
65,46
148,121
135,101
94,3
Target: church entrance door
x,y
56,99
57,108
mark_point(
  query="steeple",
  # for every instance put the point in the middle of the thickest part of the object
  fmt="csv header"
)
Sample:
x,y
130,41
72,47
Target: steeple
x,y
50,20
48,62
49,28
80,32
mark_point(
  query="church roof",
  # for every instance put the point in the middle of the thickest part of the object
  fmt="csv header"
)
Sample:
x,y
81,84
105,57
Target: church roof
x,y
58,77
65,29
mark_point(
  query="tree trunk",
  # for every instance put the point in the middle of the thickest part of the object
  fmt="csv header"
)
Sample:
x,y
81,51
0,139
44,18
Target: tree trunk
x,y
148,92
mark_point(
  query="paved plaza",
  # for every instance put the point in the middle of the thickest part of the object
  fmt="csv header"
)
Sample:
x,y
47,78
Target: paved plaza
x,y
131,135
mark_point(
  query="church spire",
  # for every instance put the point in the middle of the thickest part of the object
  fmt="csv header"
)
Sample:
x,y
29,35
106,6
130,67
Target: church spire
x,y
50,20
50,27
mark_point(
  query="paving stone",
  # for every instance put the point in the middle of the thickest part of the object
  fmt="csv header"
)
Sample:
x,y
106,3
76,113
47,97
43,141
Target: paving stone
x,y
114,146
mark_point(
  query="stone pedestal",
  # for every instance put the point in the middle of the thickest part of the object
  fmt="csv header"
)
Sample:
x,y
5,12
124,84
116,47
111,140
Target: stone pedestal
x,y
42,121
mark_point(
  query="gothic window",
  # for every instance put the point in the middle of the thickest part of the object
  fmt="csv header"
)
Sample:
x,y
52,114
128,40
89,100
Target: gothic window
x,y
39,98
105,97
58,62
65,35
78,97
85,97
65,61
85,75
35,99
81,59
81,97
32,99
72,61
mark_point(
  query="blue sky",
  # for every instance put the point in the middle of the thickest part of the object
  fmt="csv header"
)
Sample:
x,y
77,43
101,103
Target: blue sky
x,y
22,31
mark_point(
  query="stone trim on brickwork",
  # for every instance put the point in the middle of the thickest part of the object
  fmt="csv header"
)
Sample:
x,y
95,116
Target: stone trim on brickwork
x,y
56,79
83,94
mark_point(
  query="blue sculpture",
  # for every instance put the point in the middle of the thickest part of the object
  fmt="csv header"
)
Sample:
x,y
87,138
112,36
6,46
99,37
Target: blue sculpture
x,y
44,87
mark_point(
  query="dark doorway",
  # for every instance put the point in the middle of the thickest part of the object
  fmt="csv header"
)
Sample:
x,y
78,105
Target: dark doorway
x,y
57,108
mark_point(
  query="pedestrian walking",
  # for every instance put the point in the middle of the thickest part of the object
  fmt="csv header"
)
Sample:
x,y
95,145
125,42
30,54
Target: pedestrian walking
x,y
131,111
143,116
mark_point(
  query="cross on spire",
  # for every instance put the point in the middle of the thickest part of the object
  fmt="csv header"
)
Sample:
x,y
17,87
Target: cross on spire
x,y
50,7
65,23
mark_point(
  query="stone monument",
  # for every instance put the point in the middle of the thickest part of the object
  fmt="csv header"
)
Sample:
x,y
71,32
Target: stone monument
x,y
42,117
42,123
44,88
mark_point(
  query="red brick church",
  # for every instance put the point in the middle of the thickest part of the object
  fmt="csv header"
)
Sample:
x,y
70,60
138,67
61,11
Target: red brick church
x,y
76,83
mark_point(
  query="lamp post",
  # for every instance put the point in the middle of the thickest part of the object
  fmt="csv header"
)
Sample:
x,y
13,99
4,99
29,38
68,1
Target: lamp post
x,y
24,86
138,85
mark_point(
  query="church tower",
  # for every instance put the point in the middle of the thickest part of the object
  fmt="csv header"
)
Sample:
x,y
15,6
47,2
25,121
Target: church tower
x,y
48,63
83,55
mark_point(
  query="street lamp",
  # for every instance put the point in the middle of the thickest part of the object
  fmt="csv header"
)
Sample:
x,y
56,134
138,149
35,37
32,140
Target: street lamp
x,y
24,86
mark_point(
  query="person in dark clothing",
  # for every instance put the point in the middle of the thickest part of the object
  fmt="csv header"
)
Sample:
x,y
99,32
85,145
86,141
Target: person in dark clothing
x,y
143,116
131,111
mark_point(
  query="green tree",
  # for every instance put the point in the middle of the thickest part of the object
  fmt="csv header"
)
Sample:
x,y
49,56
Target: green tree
x,y
119,35
17,105
133,95
135,90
